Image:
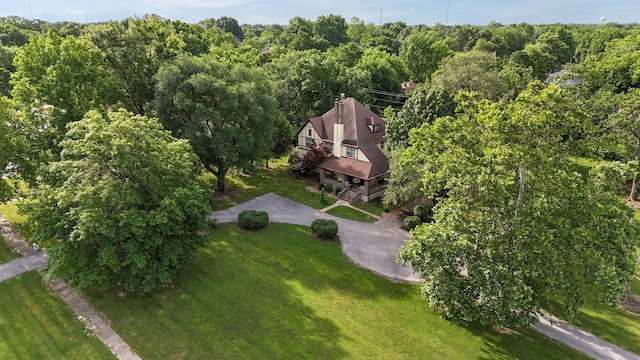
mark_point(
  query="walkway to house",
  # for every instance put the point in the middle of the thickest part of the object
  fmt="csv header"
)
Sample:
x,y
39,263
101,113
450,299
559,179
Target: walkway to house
x,y
33,260
375,246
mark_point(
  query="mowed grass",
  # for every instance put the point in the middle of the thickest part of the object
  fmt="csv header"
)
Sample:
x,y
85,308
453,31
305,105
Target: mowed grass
x,y
374,207
36,324
278,294
278,179
351,214
6,253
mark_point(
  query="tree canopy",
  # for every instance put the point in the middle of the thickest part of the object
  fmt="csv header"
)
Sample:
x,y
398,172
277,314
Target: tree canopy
x,y
515,224
228,112
123,203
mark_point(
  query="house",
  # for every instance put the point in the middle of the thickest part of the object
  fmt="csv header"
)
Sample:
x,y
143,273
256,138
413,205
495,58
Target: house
x,y
355,136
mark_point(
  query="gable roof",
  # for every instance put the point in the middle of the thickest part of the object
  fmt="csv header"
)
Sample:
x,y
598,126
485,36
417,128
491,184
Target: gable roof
x,y
356,118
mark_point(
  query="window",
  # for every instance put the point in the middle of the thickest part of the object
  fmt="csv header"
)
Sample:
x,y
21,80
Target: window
x,y
329,145
374,127
352,152
310,141
382,146
309,133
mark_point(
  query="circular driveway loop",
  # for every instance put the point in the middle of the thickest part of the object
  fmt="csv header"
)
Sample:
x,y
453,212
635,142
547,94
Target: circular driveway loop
x,y
372,246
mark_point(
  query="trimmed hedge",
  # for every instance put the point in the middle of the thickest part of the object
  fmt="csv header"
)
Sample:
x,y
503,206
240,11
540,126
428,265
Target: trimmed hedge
x,y
325,229
253,219
411,222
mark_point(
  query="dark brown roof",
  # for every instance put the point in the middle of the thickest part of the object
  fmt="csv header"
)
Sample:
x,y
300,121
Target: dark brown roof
x,y
356,118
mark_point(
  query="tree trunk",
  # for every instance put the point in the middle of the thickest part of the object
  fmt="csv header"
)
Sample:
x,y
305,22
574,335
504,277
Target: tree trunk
x,y
220,172
221,185
633,195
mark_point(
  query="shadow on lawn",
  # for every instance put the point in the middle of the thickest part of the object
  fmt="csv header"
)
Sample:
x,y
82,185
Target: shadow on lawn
x,y
503,344
225,305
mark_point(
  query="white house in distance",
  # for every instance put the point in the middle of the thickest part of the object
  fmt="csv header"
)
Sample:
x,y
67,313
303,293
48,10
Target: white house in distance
x,y
359,162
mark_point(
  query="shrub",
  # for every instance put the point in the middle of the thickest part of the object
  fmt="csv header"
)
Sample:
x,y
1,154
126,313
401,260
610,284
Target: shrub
x,y
325,229
296,164
338,189
253,219
424,212
328,188
212,224
411,222
321,186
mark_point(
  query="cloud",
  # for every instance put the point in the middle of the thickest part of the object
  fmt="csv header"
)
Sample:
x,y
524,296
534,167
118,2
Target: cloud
x,y
194,4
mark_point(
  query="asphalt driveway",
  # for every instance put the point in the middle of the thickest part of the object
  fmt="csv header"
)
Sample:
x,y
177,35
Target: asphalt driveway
x,y
372,246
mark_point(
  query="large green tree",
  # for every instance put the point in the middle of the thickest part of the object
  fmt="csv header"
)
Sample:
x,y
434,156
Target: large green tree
x,y
65,78
228,112
623,128
124,203
422,53
518,225
471,71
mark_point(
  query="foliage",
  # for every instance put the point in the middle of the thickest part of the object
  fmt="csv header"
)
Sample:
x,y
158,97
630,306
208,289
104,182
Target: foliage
x,y
552,49
295,163
315,155
471,71
247,292
8,147
426,104
308,82
229,24
424,212
623,127
514,204
404,184
228,113
332,28
616,66
124,203
63,77
253,219
325,229
423,52
410,222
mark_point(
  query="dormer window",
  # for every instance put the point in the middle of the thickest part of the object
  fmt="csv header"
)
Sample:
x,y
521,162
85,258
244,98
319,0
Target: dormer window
x,y
352,152
373,127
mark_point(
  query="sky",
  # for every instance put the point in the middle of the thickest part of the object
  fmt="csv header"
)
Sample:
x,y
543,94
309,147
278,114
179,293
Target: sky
x,y
412,12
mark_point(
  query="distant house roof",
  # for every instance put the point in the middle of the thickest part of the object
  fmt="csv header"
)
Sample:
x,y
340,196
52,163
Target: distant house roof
x,y
564,78
356,119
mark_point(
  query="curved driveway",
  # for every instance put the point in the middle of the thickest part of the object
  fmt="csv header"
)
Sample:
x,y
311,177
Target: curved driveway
x,y
372,246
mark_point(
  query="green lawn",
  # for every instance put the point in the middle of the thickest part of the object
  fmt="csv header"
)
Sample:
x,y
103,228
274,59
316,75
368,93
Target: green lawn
x,y
278,294
10,212
351,214
635,287
277,179
36,324
372,207
5,251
